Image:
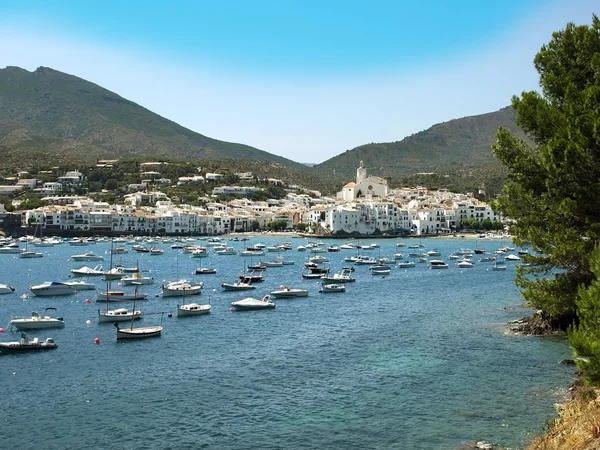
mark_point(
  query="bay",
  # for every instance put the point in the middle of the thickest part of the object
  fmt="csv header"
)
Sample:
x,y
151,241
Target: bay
x,y
414,360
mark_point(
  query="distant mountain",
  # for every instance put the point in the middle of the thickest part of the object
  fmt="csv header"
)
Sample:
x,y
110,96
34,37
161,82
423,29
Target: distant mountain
x,y
447,147
50,117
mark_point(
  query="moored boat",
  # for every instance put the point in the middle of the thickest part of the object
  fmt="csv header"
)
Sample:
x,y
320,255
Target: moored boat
x,y
50,288
37,322
249,304
287,292
27,345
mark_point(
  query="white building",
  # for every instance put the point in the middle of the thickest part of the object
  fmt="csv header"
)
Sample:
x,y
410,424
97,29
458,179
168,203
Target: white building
x,y
364,186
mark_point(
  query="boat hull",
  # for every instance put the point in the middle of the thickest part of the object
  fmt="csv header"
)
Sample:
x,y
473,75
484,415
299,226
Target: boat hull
x,y
192,309
139,333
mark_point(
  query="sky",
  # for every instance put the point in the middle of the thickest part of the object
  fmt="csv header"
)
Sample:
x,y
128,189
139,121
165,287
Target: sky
x,y
303,79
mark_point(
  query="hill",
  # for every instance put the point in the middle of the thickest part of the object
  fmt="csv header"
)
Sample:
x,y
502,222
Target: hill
x,y
50,117
447,148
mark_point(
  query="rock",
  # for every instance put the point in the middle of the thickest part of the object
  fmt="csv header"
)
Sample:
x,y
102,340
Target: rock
x,y
568,362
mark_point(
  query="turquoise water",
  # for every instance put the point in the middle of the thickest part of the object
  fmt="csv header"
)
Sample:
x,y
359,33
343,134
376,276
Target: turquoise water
x,y
415,360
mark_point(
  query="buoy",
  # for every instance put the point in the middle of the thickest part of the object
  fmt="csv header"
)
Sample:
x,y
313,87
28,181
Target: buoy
x,y
87,300
119,284
231,309
74,292
214,290
170,315
282,287
1,330
88,321
97,341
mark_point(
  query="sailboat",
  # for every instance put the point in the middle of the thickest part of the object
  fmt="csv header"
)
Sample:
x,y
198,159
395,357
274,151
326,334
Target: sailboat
x,y
139,332
119,314
499,263
181,288
28,253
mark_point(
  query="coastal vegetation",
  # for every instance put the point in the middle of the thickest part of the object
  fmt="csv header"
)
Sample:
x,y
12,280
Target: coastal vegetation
x,y
552,198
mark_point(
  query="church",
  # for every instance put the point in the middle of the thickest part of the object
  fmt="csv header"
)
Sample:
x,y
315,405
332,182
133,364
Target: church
x,y
364,187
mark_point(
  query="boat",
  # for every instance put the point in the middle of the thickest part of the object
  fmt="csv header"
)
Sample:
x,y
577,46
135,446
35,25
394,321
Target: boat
x,y
487,259
156,251
119,250
86,271
119,296
464,264
51,288
205,271
141,249
499,264
381,271
437,264
318,259
80,285
199,252
119,315
237,286
272,263
6,289
11,248
26,345
257,267
365,260
346,246
136,278
37,322
30,254
512,258
301,248
192,309
406,264
249,304
251,277
115,273
181,288
89,256
333,249
433,253
139,332
330,288
287,292
344,276
226,251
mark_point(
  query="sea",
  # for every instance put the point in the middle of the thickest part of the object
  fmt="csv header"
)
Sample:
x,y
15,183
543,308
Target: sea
x,y
418,359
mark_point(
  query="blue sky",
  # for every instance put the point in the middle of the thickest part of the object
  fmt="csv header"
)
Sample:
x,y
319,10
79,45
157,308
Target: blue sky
x,y
303,79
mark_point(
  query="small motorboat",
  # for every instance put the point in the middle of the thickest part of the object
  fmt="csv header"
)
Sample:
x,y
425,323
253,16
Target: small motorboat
x,y
6,289
287,292
119,250
119,315
341,277
381,271
226,251
237,286
205,271
37,322
25,345
119,296
251,277
141,249
257,268
249,304
156,251
512,258
30,254
437,264
50,288
181,288
116,273
136,279
89,256
86,271
80,285
465,264
330,288
11,248
406,264
192,309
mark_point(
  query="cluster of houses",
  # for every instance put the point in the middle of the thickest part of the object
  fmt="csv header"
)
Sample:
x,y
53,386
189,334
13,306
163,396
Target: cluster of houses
x,y
366,206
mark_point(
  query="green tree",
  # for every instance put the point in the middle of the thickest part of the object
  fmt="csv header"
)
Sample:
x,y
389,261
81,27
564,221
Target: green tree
x,y
301,226
585,336
255,225
278,225
553,188
111,184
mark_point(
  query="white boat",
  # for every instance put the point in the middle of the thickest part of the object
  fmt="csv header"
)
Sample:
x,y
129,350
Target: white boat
x,y
30,254
51,288
89,256
78,242
341,277
119,315
465,264
80,285
226,251
11,248
200,252
237,286
437,264
181,288
318,259
512,258
26,345
346,247
86,271
37,322
192,309
381,271
116,273
156,251
499,264
272,263
250,303
287,292
406,264
364,260
6,289
205,271
119,250
136,278
433,253
329,288
252,253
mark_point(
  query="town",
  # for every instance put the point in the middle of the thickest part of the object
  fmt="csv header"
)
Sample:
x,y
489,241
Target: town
x,y
366,207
